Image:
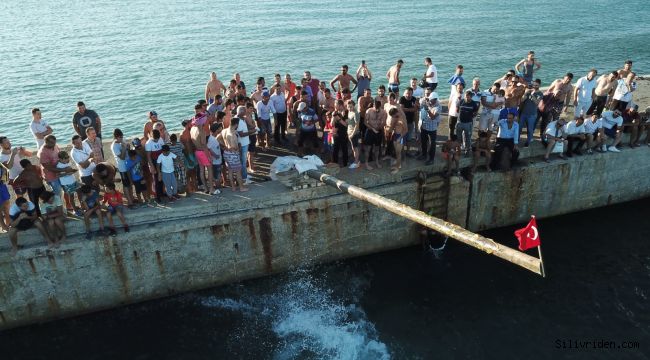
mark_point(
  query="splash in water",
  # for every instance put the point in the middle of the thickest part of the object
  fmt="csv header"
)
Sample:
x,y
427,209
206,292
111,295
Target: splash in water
x,y
309,321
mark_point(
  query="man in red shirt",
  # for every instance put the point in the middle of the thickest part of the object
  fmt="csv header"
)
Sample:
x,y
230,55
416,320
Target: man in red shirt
x,y
48,157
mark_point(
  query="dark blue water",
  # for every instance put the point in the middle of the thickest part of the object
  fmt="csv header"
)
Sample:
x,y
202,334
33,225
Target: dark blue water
x,y
405,304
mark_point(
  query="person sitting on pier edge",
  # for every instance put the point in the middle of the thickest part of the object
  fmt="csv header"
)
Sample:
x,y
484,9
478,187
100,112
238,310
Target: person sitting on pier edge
x,y
482,147
430,118
594,133
632,124
555,134
451,153
507,138
575,133
114,205
31,179
90,202
53,216
612,123
23,217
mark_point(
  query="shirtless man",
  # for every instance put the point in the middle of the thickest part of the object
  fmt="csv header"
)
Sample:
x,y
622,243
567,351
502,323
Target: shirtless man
x,y
213,88
149,125
188,149
344,80
381,95
396,130
365,103
527,67
393,77
257,94
201,151
561,89
514,92
229,140
237,78
104,173
627,67
375,119
605,85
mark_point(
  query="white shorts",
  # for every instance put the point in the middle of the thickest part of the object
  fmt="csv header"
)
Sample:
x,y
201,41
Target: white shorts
x,y
487,120
582,107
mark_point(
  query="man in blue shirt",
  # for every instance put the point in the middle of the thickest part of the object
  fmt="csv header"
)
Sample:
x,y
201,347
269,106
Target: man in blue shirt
x,y
308,120
507,138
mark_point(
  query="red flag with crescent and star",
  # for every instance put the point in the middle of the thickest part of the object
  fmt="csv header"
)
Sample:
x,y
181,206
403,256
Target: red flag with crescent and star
x,y
529,236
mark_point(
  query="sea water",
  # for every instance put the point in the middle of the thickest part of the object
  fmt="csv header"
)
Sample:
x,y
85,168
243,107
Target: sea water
x,y
125,58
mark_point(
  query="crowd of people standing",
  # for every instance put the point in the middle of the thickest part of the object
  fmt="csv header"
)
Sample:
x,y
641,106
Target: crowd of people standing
x,y
217,146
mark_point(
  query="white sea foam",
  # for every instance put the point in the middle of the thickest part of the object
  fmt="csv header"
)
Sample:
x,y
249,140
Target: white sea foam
x,y
310,320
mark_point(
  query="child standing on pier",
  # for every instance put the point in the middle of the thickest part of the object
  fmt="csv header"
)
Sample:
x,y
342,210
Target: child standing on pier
x,y
68,181
135,172
166,174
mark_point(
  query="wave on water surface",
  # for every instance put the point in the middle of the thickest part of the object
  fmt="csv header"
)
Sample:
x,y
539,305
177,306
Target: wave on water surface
x,y
310,320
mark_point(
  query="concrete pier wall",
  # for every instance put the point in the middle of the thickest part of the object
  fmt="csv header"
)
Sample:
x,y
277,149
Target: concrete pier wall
x,y
202,242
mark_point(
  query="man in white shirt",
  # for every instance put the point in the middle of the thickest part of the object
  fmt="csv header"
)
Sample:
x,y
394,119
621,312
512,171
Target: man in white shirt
x,y
575,133
594,133
264,110
431,76
623,93
10,158
555,134
83,157
583,93
215,151
280,116
39,127
612,122
244,141
120,150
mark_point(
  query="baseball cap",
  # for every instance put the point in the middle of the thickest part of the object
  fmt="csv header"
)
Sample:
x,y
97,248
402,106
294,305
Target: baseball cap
x,y
136,142
265,93
433,95
302,106
153,113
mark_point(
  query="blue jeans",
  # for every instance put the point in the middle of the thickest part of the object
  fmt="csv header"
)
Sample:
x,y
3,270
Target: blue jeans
x,y
530,121
56,186
464,134
244,155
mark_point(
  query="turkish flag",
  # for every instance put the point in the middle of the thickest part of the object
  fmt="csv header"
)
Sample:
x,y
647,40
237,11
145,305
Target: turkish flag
x,y
529,236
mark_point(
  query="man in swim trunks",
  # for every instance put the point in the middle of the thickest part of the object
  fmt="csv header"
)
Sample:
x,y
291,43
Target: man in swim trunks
x,y
375,119
393,77
229,140
396,130
201,151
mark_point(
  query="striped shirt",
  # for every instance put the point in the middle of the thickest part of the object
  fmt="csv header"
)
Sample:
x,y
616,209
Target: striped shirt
x,y
428,123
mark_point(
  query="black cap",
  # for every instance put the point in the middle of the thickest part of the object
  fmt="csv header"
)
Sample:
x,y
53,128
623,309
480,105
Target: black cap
x,y
165,147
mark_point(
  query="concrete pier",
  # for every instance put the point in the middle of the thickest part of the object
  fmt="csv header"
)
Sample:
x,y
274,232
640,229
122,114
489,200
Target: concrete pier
x,y
207,241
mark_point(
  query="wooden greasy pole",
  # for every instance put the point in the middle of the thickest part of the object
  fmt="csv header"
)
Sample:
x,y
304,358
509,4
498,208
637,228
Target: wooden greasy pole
x,y
452,230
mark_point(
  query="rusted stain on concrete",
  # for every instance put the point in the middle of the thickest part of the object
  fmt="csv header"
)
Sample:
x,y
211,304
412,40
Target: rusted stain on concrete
x,y
120,269
52,260
266,238
159,262
609,199
53,305
135,256
217,231
31,265
2,317
251,232
292,218
312,214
